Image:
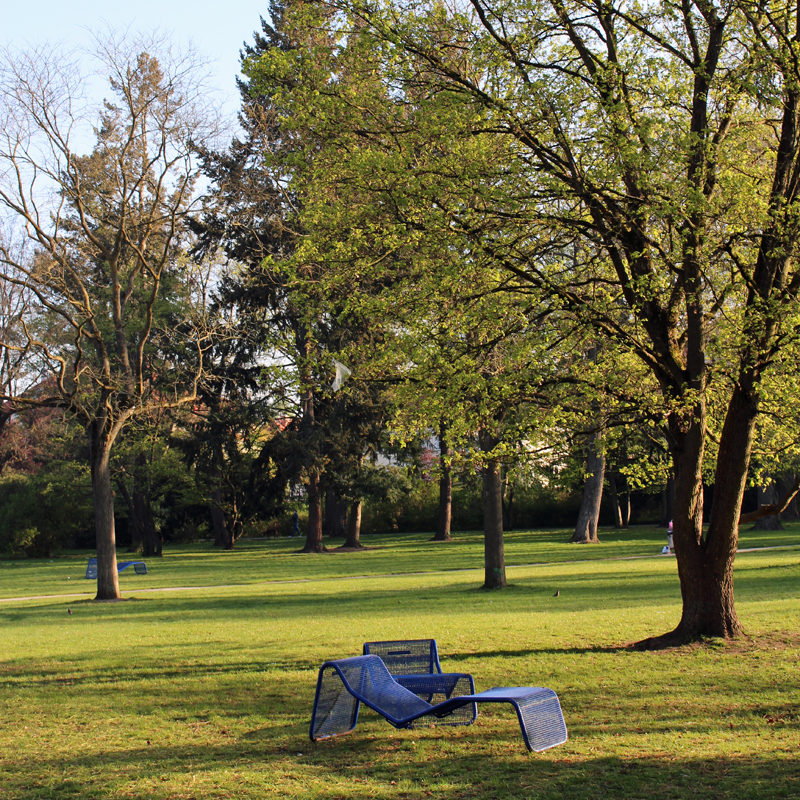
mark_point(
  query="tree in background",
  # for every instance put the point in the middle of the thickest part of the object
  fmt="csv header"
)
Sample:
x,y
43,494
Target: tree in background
x,y
478,361
106,267
618,195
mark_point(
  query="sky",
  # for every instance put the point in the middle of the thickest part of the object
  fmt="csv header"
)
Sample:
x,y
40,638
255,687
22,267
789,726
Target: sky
x,y
217,29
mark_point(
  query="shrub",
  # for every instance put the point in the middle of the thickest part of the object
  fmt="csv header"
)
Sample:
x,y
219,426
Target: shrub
x,y
41,513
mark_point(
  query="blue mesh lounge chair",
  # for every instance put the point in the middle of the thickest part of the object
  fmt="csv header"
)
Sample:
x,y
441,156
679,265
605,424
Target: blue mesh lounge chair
x,y
343,684
139,567
407,656
414,664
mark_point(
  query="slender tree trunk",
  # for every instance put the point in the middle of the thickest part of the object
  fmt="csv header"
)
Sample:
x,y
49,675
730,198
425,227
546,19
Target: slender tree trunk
x,y
668,502
154,544
314,533
103,498
134,523
784,483
330,511
494,554
140,511
612,485
586,529
445,490
354,526
768,495
625,508
508,504
236,531
221,533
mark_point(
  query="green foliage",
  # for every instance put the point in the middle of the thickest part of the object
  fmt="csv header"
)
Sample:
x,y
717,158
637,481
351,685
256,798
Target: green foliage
x,y
44,512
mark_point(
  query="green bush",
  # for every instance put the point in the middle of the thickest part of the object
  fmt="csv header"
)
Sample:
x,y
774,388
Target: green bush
x,y
533,507
41,513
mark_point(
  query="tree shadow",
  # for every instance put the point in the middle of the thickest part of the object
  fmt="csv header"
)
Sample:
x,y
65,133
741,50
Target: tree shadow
x,y
452,764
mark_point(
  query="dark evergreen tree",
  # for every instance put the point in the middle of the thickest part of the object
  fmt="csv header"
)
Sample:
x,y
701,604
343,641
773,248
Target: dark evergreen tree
x,y
251,218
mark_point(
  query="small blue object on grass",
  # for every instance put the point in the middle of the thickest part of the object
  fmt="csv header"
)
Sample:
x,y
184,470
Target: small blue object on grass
x,y
344,684
139,567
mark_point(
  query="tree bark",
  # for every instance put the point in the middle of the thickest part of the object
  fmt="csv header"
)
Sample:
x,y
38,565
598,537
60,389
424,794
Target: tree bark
x,y
105,534
508,504
335,520
705,562
586,529
668,501
134,525
221,534
767,496
314,533
445,490
144,534
153,543
354,526
625,507
612,485
494,554
784,484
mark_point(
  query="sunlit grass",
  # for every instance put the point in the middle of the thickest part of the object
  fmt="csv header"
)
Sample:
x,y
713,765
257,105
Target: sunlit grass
x,y
206,693
259,561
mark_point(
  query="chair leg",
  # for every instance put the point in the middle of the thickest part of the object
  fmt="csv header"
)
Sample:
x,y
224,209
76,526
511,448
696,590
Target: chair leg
x,y
541,720
335,710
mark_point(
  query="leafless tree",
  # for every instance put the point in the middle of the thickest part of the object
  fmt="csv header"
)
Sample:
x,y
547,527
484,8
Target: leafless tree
x,y
101,191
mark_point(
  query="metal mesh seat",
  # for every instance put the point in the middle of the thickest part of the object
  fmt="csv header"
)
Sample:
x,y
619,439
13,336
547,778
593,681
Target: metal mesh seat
x,y
414,664
407,656
343,684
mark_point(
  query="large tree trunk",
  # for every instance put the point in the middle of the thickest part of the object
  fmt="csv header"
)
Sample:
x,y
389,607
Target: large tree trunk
x,y
705,562
767,496
314,532
586,529
354,526
445,490
335,522
103,499
494,554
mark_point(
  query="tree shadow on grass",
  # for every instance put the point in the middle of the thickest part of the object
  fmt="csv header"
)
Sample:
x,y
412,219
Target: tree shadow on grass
x,y
379,762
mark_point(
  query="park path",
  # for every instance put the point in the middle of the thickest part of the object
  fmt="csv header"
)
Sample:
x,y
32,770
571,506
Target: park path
x,y
377,575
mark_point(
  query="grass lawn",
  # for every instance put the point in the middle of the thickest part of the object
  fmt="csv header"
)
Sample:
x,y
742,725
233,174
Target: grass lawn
x,y
206,691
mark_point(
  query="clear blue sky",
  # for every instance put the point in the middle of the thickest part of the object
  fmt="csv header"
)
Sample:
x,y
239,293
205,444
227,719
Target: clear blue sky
x,y
217,29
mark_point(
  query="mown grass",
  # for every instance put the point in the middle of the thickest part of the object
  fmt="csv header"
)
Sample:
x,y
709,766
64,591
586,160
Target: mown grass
x,y
206,693
255,561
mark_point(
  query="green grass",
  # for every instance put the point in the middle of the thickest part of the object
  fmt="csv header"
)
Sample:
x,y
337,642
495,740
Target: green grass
x,y
206,693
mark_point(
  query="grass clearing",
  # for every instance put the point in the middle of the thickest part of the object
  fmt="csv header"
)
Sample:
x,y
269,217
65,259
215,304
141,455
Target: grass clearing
x,y
206,693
